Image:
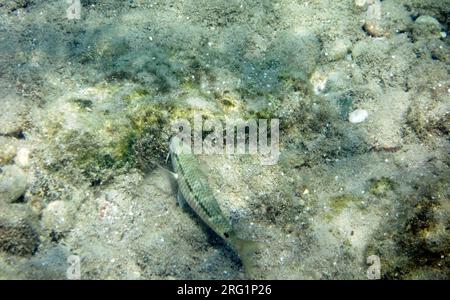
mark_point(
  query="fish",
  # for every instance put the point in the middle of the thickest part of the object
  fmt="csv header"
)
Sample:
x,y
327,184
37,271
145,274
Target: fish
x,y
194,190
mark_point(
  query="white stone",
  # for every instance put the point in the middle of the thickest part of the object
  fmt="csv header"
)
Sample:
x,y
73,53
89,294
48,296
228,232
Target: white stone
x,y
358,116
360,3
23,157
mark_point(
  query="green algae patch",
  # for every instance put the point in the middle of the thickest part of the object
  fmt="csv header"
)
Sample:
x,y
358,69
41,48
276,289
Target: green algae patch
x,y
380,187
339,203
92,135
94,156
150,125
99,132
136,94
420,228
83,104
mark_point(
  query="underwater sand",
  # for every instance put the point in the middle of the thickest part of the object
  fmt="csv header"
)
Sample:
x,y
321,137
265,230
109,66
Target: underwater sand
x,y
362,92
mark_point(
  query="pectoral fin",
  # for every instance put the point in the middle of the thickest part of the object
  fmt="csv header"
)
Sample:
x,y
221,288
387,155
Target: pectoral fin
x,y
172,174
181,201
172,177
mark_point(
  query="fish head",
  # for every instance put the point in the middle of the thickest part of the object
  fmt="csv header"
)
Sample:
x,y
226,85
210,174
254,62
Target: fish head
x,y
179,145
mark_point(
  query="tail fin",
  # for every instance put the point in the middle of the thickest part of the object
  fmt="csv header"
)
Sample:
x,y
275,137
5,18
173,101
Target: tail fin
x,y
247,250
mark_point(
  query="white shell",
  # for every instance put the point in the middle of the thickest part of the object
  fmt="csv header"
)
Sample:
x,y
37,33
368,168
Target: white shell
x,y
358,116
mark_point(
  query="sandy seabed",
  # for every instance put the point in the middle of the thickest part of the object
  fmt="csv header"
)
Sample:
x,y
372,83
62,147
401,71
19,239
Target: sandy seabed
x,y
362,92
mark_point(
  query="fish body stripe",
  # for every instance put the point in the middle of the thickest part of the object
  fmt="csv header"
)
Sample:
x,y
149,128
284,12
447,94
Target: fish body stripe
x,y
195,189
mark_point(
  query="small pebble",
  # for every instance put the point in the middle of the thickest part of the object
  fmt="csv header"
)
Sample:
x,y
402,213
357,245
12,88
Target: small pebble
x,y
358,116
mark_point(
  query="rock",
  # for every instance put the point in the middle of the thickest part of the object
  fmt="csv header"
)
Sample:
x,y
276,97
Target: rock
x,y
57,217
7,151
360,3
48,264
18,230
358,116
386,18
370,51
337,81
427,27
364,3
396,18
13,183
9,269
23,158
338,49
436,239
12,119
373,28
16,4
318,81
35,202
374,10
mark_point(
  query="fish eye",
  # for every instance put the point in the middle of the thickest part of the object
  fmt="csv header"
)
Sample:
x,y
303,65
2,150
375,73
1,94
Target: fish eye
x,y
226,235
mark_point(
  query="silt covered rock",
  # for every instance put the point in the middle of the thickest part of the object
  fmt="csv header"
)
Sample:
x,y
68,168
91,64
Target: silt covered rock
x,y
13,183
18,230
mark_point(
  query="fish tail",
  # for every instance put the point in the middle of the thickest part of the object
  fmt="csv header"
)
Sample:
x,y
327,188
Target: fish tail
x,y
247,250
